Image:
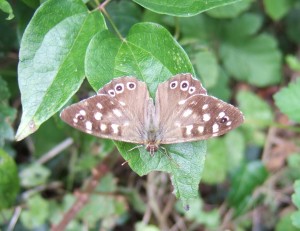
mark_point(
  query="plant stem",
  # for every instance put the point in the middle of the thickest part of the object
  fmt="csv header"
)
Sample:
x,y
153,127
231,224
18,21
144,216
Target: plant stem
x,y
102,9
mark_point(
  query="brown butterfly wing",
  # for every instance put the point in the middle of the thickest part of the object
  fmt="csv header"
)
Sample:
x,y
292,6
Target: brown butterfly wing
x,y
117,112
188,116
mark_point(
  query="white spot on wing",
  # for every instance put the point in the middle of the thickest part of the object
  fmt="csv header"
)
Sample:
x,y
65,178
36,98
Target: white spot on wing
x,y
98,115
201,129
215,128
181,102
88,125
205,106
206,117
99,105
189,129
122,103
221,114
103,127
115,128
82,112
187,112
228,123
75,120
117,112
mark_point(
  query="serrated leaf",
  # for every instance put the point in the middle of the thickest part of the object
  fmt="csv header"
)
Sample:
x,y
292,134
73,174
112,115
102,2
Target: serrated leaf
x,y
9,180
151,54
287,100
255,59
245,180
51,66
36,213
182,8
5,7
230,11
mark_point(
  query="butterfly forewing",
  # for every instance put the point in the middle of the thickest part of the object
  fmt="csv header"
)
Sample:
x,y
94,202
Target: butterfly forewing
x,y
107,114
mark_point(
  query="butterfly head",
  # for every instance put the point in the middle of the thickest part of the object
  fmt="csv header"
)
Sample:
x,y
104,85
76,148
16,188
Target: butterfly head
x,y
152,147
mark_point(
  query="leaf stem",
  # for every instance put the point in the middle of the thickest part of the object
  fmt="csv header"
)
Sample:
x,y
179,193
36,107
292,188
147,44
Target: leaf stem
x,y
102,9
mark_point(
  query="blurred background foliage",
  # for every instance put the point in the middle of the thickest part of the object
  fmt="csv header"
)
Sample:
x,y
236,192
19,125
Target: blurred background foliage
x,y
246,53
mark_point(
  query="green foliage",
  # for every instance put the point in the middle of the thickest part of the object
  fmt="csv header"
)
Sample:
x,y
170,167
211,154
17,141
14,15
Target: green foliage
x,y
9,180
245,180
234,47
63,56
6,7
179,8
287,99
296,200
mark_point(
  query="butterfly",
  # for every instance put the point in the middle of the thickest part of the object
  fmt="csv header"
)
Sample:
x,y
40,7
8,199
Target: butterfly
x,y
123,110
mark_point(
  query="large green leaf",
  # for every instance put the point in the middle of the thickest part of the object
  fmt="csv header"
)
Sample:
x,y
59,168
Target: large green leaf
x,y
245,180
51,67
151,54
182,8
255,59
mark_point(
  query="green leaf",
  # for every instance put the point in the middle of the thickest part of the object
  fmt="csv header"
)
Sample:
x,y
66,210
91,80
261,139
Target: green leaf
x,y
141,226
296,195
230,11
124,14
5,7
258,115
292,25
221,89
277,9
287,100
216,162
36,213
293,62
198,214
51,67
255,59
34,175
245,180
293,162
286,222
182,8
208,68
151,54
9,180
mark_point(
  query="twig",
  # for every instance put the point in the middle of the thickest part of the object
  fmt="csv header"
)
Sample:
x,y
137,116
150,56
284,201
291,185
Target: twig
x,y
55,151
14,218
82,197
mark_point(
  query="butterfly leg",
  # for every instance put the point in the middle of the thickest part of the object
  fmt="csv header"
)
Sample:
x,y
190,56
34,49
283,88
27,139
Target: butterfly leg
x,y
168,155
135,147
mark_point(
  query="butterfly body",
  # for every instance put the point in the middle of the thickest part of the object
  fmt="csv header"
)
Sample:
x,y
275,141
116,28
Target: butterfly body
x,y
124,111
